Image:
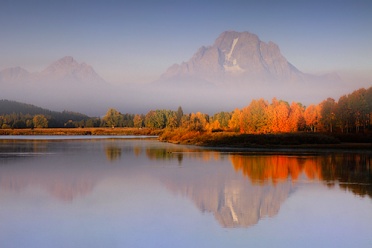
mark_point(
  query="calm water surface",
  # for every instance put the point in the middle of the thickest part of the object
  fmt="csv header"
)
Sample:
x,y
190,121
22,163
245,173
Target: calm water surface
x,y
142,193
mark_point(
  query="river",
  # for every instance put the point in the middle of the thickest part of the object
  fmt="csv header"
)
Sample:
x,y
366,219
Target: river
x,y
76,191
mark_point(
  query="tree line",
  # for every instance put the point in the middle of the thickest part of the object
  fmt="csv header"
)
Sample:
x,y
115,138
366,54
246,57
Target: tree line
x,y
352,113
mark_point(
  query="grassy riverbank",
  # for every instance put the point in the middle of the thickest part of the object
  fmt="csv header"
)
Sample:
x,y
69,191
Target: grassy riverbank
x,y
81,131
220,139
286,140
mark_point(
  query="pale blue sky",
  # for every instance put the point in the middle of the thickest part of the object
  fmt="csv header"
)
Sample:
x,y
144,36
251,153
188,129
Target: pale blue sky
x,y
136,41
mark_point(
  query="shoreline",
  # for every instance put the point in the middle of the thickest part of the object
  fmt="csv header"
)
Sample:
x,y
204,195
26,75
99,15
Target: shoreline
x,y
224,147
81,131
316,148
365,147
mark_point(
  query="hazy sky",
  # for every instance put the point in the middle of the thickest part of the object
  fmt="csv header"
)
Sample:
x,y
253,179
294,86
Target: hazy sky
x,y
136,41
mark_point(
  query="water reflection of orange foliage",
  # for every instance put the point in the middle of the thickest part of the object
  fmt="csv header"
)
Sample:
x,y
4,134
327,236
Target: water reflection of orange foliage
x,y
312,168
208,156
275,167
137,150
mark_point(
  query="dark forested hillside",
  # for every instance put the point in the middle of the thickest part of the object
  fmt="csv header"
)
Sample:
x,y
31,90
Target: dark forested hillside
x,y
15,114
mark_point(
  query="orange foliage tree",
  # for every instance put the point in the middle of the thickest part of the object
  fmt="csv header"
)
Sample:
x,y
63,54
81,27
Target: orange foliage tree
x,y
254,117
296,118
234,122
311,116
278,114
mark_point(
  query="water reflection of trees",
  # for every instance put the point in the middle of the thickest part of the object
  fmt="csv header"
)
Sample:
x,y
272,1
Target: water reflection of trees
x,y
171,154
16,147
351,171
113,153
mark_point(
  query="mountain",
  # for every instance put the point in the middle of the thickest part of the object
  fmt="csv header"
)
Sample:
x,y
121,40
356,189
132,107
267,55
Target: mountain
x,y
239,67
14,74
64,70
236,57
67,69
64,84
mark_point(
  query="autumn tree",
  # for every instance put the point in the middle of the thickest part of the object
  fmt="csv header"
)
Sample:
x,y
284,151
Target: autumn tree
x,y
172,119
311,116
214,125
296,118
368,97
343,113
198,121
234,122
277,116
93,122
179,115
254,117
359,108
138,121
327,114
223,119
155,119
40,121
112,118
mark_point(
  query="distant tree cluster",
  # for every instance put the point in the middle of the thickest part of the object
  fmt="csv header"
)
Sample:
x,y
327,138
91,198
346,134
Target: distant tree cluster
x,y
114,118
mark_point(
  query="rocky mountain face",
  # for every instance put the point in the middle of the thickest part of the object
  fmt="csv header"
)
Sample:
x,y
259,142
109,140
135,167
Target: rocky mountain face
x,y
237,58
239,67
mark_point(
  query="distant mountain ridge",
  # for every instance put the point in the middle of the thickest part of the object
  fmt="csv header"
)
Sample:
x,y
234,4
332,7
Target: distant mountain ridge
x,y
13,74
63,70
63,84
68,68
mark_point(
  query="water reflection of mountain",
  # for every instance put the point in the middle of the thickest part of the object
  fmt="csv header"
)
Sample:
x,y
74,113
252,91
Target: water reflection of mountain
x,y
233,200
218,189
65,185
44,164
